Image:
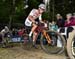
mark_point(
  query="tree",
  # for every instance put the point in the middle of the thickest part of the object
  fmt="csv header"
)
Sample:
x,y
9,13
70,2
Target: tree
x,y
14,9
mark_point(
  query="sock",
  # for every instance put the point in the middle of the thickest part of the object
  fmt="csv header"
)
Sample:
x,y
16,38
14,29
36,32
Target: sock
x,y
34,42
30,34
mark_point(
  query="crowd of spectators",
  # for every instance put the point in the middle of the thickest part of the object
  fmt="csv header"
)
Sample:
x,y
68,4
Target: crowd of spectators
x,y
68,23
63,23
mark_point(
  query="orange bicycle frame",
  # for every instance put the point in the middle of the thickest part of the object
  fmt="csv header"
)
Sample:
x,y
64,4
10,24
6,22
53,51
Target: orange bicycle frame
x,y
46,36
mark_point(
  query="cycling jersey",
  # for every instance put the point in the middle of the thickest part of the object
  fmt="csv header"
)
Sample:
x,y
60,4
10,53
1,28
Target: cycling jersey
x,y
35,14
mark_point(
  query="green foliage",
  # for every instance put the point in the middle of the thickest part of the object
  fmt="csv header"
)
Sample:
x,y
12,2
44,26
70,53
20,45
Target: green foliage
x,y
61,6
33,4
18,13
5,9
45,16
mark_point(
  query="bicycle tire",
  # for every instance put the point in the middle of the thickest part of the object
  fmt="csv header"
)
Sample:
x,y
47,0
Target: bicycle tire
x,y
69,45
57,51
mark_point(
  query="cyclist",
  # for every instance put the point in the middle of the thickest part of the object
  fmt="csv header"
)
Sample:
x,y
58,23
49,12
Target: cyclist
x,y
3,33
31,20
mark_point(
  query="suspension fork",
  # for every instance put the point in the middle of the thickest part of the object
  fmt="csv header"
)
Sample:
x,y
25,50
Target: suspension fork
x,y
46,36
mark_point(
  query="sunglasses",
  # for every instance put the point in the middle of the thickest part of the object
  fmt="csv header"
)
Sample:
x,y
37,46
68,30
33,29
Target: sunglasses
x,y
42,9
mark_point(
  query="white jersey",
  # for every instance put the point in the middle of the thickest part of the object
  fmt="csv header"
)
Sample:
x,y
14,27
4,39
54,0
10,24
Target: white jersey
x,y
35,15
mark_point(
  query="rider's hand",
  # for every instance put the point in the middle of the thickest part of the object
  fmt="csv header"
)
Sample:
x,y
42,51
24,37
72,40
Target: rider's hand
x,y
33,21
41,21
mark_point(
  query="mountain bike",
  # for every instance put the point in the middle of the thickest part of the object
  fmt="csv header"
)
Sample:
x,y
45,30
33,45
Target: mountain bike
x,y
51,39
71,45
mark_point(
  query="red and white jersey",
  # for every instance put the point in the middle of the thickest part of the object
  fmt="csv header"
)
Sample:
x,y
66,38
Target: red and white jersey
x,y
35,14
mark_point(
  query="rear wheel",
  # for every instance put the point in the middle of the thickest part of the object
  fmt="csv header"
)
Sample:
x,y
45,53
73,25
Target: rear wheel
x,y
57,44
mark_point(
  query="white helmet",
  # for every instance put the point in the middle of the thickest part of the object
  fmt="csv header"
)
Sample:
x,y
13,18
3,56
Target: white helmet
x,y
42,6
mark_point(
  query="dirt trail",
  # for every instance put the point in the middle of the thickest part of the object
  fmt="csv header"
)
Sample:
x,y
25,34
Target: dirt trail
x,y
20,53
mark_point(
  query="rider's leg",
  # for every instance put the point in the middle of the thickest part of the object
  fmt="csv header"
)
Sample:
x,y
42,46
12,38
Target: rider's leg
x,y
35,35
34,26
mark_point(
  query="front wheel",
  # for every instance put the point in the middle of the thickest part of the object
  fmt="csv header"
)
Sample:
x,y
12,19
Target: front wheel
x,y
71,46
57,44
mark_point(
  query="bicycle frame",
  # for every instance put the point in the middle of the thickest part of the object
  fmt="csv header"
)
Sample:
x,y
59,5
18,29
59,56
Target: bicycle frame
x,y
41,29
46,36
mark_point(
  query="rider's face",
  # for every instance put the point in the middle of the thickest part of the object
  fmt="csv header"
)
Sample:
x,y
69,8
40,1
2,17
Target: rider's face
x,y
41,10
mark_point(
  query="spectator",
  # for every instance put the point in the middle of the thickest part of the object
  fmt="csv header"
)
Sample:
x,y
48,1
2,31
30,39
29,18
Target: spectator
x,y
21,31
14,32
54,26
60,20
70,21
5,31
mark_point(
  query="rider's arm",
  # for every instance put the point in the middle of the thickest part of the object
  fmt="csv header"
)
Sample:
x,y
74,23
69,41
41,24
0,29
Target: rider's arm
x,y
40,19
31,18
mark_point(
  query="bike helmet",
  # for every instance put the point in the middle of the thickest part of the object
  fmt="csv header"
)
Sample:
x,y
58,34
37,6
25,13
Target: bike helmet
x,y
42,6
